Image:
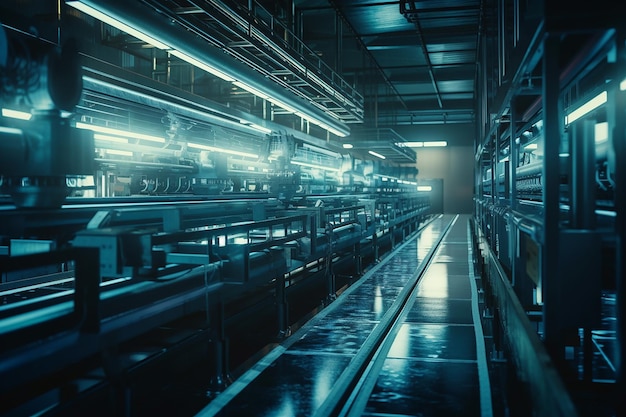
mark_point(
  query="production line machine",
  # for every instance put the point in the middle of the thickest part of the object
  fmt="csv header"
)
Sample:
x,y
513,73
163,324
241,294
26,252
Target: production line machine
x,y
126,258
547,221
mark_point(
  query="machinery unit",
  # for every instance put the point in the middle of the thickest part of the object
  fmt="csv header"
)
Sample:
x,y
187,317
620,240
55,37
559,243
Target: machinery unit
x,y
142,227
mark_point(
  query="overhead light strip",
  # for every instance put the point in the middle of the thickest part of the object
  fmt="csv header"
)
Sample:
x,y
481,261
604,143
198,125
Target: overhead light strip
x,y
99,136
589,106
250,89
436,144
222,150
198,63
117,24
306,164
376,154
116,132
118,152
15,114
428,144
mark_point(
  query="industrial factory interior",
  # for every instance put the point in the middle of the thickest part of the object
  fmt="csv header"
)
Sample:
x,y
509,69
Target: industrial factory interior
x,y
312,208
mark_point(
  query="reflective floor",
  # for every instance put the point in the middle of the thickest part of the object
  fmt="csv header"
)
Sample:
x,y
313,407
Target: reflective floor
x,y
431,368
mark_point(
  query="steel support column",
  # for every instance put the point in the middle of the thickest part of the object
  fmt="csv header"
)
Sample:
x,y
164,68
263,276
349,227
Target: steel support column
x,y
582,183
618,139
552,119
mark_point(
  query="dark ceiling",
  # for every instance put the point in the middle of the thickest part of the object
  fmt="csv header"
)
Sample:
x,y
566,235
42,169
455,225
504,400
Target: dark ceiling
x,y
416,60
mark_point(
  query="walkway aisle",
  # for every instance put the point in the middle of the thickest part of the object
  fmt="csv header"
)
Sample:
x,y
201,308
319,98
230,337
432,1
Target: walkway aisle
x,y
432,368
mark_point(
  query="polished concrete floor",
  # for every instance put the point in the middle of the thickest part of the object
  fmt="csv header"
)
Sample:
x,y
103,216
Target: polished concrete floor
x,y
432,367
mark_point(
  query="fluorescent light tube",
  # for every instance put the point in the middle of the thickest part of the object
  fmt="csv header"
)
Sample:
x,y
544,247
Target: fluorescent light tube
x,y
377,155
347,146
306,164
254,126
116,132
15,114
424,188
336,132
260,128
589,106
431,144
250,89
118,152
99,136
282,105
202,65
435,144
216,149
117,24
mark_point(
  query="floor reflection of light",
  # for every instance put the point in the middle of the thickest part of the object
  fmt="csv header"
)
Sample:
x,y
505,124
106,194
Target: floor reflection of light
x,y
378,307
322,384
435,332
286,407
402,343
422,253
434,286
426,235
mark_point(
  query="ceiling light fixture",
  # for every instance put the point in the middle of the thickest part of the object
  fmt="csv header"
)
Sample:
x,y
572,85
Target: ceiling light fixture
x,y
249,89
376,154
589,106
103,11
347,146
99,136
431,144
254,126
436,144
201,65
116,132
15,114
118,152
306,164
91,11
222,150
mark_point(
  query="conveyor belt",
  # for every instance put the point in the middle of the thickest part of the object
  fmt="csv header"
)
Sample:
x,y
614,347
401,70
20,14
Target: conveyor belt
x,y
404,340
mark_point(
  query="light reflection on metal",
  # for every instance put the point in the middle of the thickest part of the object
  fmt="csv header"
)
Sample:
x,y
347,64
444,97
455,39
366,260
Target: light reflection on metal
x,y
222,150
589,106
306,164
103,13
117,132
